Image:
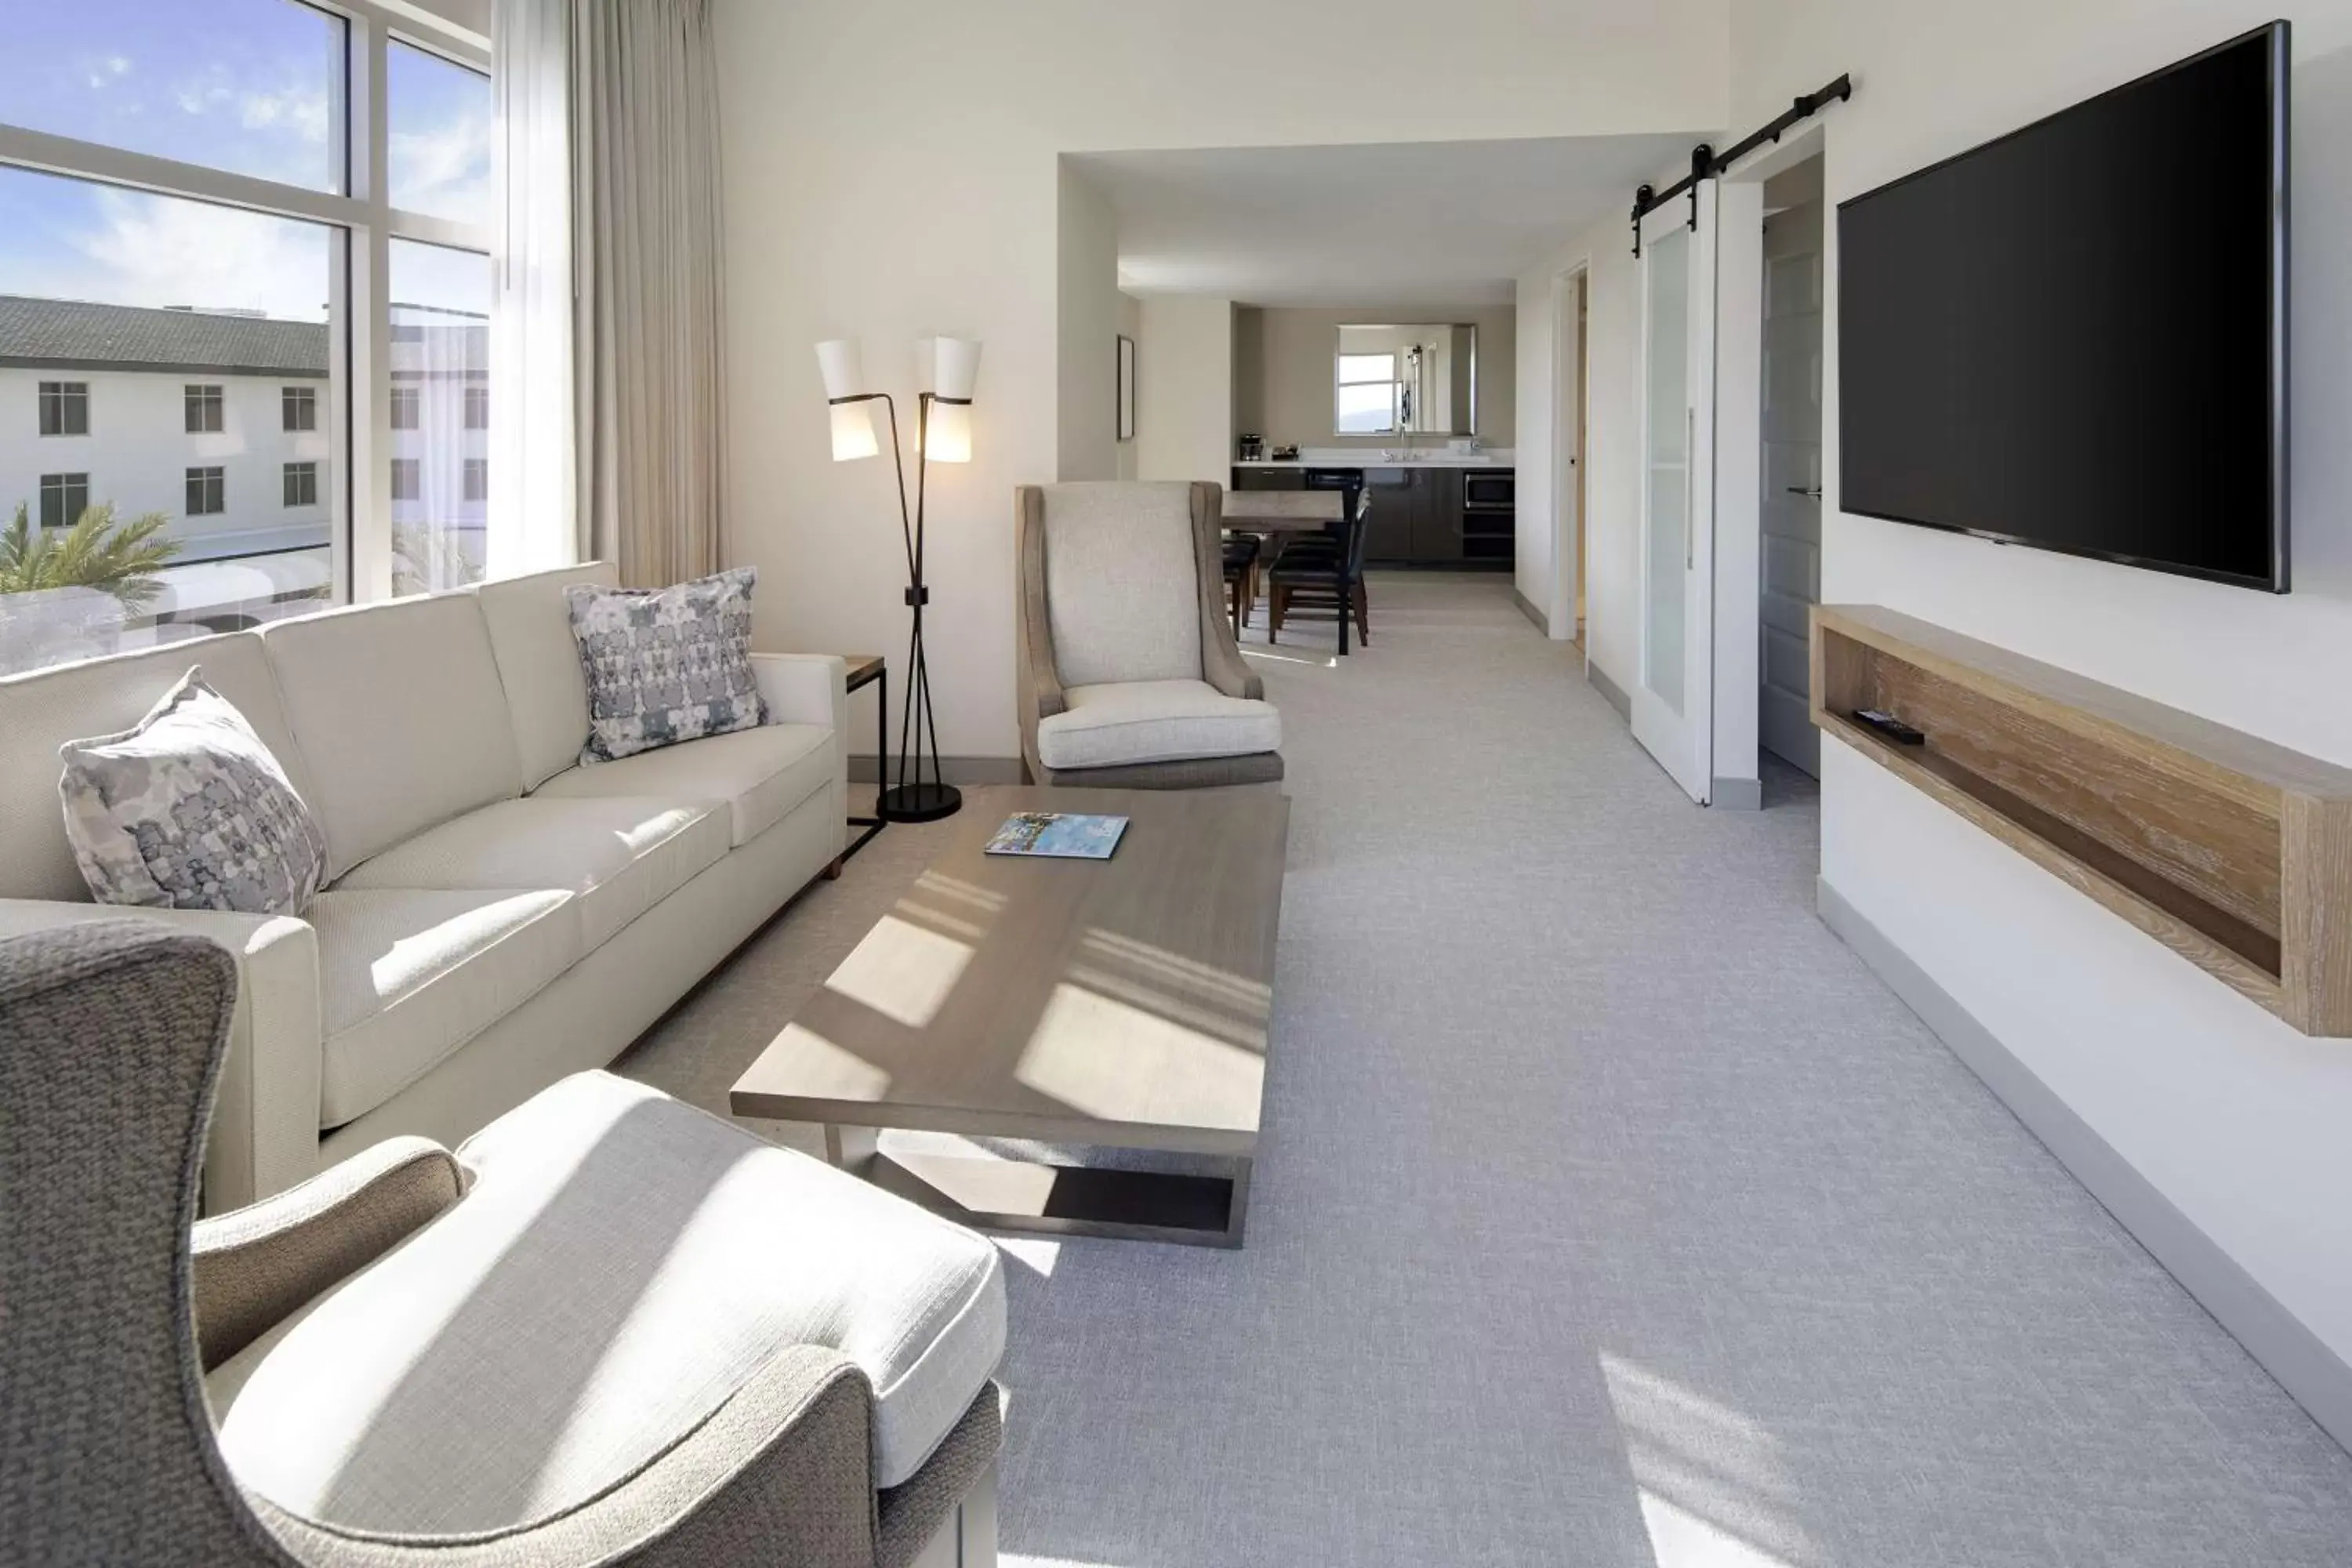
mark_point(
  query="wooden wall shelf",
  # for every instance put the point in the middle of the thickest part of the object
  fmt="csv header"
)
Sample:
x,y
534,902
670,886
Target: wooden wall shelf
x,y
2234,852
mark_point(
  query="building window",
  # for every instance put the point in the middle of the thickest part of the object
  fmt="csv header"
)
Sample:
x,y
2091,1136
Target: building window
x,y
299,405
478,408
407,480
407,407
478,479
1368,390
65,408
207,492
301,484
64,497
204,409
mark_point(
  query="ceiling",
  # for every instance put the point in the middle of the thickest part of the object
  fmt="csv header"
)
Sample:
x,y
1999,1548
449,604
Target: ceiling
x,y
1441,222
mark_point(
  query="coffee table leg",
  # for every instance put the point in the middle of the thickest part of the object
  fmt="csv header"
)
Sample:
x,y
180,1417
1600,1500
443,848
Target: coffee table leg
x,y
851,1149
1237,1216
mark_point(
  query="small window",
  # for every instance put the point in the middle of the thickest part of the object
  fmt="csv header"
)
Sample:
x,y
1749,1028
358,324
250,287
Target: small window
x,y
478,408
300,406
64,497
208,492
301,484
407,333
204,407
1367,394
407,479
65,408
478,479
407,405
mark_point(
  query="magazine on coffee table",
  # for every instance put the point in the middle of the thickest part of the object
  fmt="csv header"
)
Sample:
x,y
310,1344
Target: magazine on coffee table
x,y
1058,835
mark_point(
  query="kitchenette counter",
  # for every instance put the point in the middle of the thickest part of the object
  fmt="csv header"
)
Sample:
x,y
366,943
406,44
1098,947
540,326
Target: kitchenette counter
x,y
1373,459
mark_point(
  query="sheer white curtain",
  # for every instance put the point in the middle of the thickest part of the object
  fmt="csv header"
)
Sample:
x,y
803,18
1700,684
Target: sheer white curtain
x,y
535,522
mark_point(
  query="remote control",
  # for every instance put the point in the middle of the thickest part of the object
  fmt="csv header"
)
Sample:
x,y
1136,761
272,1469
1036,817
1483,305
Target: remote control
x,y
1888,725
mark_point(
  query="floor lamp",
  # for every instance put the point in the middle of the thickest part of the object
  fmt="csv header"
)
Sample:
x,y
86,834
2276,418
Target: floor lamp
x,y
949,367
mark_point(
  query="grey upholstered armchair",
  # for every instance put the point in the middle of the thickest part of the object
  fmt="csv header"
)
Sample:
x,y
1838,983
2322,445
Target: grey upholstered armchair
x,y
1129,675
117,1336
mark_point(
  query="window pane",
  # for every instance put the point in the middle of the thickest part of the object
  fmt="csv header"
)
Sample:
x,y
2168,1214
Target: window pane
x,y
439,126
253,87
440,353
1367,410
132,298
1368,367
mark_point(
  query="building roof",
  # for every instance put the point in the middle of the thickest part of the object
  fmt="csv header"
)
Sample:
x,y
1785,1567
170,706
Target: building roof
x,y
71,334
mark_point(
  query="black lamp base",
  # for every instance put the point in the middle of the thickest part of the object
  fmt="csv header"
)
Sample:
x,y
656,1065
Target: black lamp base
x,y
919,803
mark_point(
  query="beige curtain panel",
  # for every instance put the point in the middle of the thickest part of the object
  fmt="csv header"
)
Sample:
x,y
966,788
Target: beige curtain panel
x,y
645,237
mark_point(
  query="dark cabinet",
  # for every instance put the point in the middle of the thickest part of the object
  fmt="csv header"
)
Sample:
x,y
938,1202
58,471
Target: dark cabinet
x,y
1419,517
1388,527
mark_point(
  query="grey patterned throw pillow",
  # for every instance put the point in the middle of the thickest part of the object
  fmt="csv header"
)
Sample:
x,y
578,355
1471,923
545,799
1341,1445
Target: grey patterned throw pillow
x,y
188,810
666,665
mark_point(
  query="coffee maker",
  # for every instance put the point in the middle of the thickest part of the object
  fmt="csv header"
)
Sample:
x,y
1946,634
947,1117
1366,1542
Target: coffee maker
x,y
1253,448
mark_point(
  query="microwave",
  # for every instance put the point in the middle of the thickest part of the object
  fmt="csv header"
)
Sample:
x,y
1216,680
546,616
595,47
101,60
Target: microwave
x,y
1489,492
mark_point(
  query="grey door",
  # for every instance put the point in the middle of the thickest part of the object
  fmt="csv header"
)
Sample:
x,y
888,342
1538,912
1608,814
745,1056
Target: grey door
x,y
1792,568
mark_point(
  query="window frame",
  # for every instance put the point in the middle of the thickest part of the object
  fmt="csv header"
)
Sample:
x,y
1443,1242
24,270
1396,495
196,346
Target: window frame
x,y
474,481
298,482
56,397
64,484
205,490
414,468
204,407
297,410
1393,381
361,223
476,416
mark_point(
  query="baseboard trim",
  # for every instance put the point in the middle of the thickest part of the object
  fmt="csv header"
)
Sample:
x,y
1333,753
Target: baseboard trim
x,y
1527,607
952,769
2312,1374
1611,689
1737,795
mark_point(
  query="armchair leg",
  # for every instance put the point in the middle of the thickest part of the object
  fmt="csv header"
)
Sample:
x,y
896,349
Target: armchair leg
x,y
1363,613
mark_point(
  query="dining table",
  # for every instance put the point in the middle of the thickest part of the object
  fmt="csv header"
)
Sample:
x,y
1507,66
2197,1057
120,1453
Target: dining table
x,y
1298,512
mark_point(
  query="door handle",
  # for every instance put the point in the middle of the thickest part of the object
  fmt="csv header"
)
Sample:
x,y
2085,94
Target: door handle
x,y
1810,492
1690,469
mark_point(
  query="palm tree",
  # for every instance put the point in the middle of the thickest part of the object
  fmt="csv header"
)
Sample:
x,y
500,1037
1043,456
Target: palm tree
x,y
97,551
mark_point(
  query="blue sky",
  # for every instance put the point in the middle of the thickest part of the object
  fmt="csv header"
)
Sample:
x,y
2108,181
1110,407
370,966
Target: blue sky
x,y
249,86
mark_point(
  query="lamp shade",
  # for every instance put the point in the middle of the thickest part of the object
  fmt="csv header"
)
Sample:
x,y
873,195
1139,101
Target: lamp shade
x,y
845,376
947,433
955,366
843,367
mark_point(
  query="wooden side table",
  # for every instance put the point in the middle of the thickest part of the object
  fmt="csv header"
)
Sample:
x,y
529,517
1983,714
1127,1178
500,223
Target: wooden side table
x,y
869,669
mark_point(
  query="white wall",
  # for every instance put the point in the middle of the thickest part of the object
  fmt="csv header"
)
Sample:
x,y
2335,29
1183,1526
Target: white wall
x,y
2238,1121
891,169
1087,313
1184,389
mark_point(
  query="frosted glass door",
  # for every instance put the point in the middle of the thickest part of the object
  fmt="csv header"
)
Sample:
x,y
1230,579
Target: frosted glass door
x,y
1674,698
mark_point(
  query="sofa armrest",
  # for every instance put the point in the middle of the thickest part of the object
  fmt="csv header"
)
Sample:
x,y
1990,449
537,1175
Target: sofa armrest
x,y
804,688
264,1136
256,1265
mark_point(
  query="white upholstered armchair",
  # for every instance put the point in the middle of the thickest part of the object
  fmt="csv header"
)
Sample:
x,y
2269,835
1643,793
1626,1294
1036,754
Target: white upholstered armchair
x,y
1130,677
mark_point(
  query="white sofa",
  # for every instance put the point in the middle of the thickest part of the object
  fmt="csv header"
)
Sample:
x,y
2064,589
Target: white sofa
x,y
497,915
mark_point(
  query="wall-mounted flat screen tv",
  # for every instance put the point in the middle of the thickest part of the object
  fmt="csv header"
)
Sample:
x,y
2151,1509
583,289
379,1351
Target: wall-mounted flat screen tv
x,y
2075,337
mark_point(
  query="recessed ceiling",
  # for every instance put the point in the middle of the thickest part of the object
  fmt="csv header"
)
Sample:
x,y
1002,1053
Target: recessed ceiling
x,y
1441,222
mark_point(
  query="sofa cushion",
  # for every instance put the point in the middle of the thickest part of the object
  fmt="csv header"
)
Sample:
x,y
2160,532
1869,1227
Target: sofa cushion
x,y
401,715
406,975
618,855
189,810
42,710
667,665
759,774
619,1266
1154,721
1122,590
539,663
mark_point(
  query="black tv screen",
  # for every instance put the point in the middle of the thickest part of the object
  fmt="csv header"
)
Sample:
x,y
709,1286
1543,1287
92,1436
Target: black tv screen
x,y
2075,337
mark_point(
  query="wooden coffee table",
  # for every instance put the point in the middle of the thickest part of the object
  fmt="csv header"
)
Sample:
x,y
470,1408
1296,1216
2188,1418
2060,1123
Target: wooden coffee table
x,y
1117,1005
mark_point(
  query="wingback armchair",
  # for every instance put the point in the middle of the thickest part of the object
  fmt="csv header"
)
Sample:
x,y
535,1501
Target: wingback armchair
x,y
1129,675
569,1342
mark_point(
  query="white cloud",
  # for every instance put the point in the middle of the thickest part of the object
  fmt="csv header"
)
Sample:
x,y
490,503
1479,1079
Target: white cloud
x,y
154,251
302,110
445,171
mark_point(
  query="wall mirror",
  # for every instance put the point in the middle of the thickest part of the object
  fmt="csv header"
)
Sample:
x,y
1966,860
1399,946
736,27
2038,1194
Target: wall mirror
x,y
1398,380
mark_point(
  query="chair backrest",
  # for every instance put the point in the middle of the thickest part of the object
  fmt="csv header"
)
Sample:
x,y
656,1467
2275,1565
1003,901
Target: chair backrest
x,y
110,1039
1123,582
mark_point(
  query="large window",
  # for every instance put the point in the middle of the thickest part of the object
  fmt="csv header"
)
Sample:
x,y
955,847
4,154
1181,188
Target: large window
x,y
1367,394
181,257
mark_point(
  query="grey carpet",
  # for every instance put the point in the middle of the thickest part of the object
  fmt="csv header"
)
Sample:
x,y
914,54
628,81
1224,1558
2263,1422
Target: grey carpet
x,y
1608,1211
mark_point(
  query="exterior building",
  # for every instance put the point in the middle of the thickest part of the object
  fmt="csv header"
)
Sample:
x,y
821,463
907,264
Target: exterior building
x,y
226,423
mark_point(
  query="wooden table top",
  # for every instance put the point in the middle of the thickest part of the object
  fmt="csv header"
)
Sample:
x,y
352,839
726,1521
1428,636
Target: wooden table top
x,y
1121,1003
1284,511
